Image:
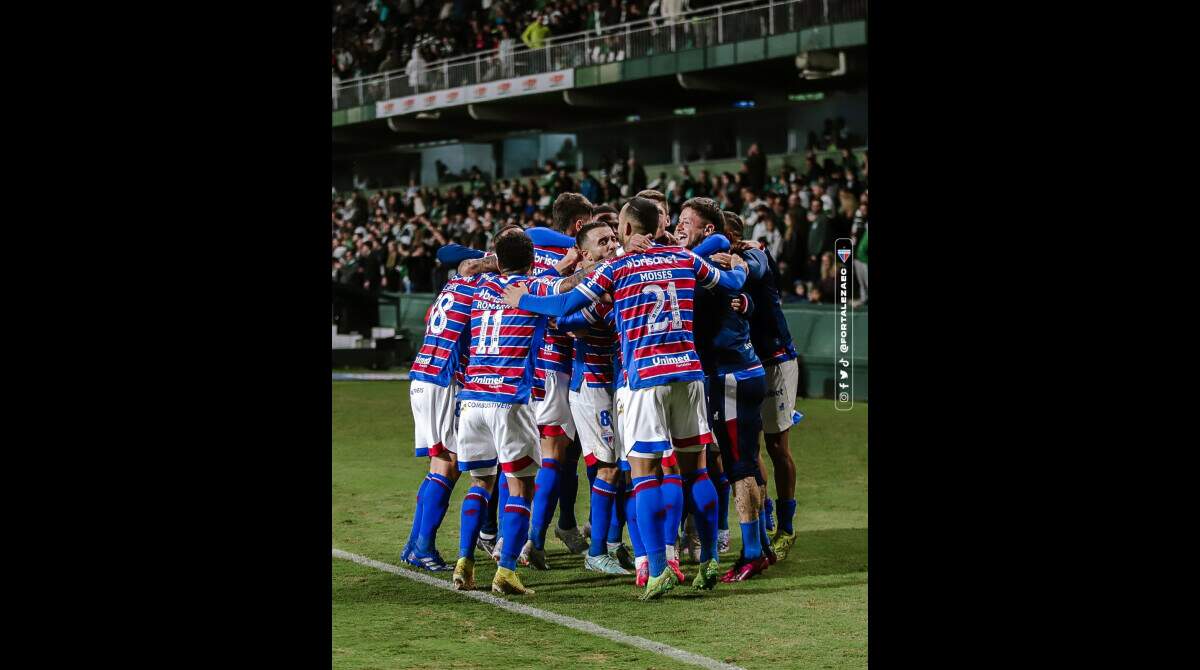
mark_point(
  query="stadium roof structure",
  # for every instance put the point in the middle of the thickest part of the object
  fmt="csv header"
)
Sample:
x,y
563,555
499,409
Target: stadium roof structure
x,y
767,54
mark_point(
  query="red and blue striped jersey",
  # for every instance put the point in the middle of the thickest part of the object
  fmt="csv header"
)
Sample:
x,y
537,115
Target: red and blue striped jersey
x,y
556,352
504,342
443,349
652,294
595,349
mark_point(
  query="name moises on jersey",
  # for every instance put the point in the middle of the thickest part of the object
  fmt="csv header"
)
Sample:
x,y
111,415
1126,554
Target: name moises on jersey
x,y
657,275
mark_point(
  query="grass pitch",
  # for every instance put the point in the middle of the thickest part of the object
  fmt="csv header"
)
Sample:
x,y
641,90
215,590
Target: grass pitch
x,y
809,611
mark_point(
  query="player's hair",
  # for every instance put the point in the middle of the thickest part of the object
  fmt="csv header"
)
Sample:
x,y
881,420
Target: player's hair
x,y
733,226
514,252
507,227
588,227
568,207
651,194
708,209
642,213
604,209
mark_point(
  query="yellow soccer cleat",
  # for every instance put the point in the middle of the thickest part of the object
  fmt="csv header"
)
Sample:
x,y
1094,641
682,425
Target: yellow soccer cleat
x,y
464,574
657,586
782,543
507,582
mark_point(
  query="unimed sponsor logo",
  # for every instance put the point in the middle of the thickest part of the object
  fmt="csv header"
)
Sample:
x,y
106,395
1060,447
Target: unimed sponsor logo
x,y
487,381
671,360
422,360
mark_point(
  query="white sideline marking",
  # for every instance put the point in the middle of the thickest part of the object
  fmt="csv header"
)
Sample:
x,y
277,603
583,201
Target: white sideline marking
x,y
560,619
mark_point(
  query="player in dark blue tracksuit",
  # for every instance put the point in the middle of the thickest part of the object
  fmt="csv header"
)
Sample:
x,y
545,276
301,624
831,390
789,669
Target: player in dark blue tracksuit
x,y
773,343
736,386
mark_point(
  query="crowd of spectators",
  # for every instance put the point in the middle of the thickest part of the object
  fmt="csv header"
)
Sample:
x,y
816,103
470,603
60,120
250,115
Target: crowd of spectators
x,y
372,36
388,241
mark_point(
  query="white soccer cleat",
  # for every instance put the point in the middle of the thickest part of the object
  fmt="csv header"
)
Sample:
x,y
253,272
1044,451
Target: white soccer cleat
x,y
723,541
497,549
604,563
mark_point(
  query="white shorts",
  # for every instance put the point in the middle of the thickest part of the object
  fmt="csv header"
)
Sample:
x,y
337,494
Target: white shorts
x,y
655,420
592,411
434,415
620,402
493,433
553,414
780,402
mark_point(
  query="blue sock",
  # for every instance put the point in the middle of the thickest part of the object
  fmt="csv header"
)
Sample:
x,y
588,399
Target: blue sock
x,y
723,488
545,491
751,543
474,512
635,536
650,517
768,509
672,497
416,526
568,488
763,538
787,513
704,506
616,524
514,528
433,510
603,496
491,526
591,475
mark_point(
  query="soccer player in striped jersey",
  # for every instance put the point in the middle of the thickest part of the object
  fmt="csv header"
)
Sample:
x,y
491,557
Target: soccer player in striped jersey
x,y
435,376
652,293
773,343
496,423
672,489
736,388
551,404
591,397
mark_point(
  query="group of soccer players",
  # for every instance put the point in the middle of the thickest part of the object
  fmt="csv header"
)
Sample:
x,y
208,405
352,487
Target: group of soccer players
x,y
611,338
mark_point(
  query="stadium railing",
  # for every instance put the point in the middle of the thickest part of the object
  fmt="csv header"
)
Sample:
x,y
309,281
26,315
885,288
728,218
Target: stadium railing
x,y
719,24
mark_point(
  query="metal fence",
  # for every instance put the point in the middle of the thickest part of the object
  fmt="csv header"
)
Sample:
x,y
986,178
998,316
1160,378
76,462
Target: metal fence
x,y
721,24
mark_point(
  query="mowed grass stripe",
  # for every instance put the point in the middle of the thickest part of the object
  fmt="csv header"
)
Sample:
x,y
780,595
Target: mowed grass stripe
x,y
566,621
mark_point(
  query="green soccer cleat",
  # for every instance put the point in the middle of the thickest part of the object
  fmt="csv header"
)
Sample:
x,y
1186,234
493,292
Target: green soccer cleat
x,y
782,543
507,582
657,586
464,574
707,575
